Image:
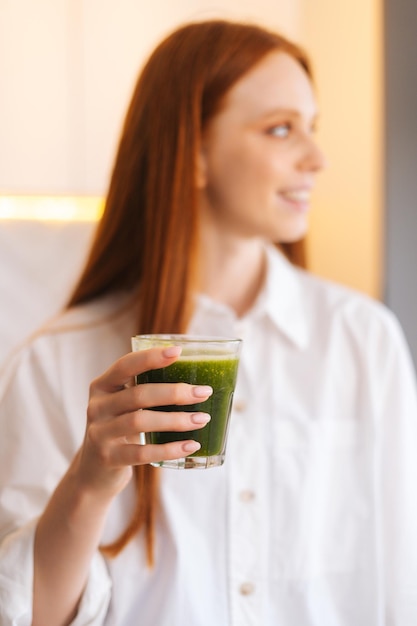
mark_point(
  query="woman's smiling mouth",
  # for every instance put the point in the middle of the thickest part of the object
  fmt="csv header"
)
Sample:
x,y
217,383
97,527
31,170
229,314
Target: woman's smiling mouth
x,y
297,198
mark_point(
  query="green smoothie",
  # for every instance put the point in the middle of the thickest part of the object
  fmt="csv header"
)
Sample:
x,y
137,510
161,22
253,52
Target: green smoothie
x,y
217,370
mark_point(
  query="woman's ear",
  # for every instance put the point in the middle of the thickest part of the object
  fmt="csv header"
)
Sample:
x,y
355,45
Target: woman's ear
x,y
201,170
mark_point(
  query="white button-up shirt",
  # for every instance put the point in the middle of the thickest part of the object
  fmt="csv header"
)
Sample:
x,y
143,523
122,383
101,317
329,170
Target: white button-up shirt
x,y
311,521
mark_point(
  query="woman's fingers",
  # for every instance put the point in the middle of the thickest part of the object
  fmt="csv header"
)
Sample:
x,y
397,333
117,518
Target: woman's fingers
x,y
148,395
131,454
132,424
123,371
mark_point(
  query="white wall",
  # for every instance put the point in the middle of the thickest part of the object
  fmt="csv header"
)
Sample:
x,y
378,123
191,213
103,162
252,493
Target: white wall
x,y
34,100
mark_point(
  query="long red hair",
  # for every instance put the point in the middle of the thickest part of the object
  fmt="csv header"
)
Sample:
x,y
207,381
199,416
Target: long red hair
x,y
147,237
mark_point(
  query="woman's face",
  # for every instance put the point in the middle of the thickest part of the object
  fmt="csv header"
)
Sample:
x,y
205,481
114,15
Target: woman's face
x,y
259,159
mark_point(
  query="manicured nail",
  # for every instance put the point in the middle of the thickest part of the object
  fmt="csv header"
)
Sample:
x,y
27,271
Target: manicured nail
x,y
202,391
191,446
171,351
200,418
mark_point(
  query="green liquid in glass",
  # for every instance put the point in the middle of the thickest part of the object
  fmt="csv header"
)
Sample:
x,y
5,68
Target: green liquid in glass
x,y
217,371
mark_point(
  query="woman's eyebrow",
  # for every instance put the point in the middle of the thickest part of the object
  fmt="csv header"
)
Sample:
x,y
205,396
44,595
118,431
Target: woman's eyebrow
x,y
288,112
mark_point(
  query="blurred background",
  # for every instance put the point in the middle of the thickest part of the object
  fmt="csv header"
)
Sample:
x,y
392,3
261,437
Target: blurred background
x,y
67,69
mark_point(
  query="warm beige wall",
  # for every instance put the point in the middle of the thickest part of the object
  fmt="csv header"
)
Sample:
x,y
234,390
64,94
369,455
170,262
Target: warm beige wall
x,y
345,42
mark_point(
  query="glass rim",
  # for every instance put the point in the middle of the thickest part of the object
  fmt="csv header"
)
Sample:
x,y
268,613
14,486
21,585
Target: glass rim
x,y
185,338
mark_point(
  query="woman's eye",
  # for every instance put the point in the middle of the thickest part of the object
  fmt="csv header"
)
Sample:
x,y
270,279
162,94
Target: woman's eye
x,y
280,130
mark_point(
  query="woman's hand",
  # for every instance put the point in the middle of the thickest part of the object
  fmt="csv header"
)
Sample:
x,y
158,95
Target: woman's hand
x,y
118,411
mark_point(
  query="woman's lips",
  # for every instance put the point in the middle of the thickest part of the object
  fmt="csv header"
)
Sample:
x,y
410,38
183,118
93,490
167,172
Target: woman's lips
x,y
298,198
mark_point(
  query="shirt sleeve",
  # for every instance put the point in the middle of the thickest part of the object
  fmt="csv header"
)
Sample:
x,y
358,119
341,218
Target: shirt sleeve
x,y
398,478
36,447
16,583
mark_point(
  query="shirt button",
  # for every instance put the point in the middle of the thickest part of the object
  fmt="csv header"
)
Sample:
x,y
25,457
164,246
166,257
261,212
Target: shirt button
x,y
246,589
246,495
239,405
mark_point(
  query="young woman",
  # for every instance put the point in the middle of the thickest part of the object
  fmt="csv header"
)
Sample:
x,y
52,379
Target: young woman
x,y
312,519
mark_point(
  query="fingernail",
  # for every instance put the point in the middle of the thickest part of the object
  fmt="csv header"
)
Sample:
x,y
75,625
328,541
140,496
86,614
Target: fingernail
x,y
200,418
202,391
191,446
171,351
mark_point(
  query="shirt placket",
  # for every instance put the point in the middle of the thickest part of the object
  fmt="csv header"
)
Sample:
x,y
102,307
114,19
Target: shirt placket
x,y
245,517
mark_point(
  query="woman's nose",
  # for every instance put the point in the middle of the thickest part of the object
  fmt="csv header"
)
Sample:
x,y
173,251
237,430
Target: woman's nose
x,y
314,158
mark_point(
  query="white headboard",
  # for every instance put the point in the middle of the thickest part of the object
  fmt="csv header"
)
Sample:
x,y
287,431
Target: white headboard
x,y
39,263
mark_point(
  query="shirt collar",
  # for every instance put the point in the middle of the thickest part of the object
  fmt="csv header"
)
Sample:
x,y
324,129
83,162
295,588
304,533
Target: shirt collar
x,y
281,300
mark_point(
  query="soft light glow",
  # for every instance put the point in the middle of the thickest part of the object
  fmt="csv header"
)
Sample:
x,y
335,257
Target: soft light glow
x,y
51,208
